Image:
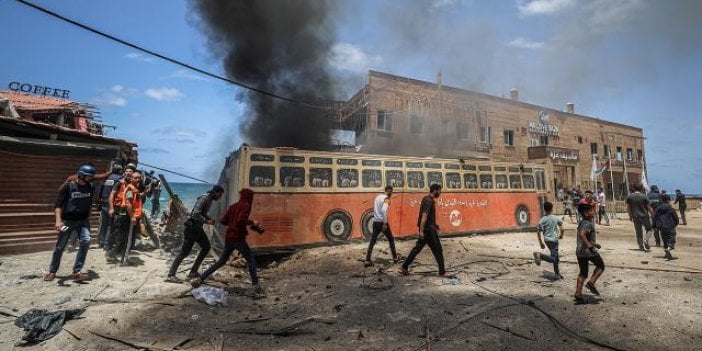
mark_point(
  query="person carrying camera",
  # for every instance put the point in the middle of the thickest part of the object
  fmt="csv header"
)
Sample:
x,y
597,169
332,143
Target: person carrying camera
x,y
194,233
72,209
237,220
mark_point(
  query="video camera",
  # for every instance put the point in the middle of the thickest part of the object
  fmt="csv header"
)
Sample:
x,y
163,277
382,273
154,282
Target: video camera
x,y
257,228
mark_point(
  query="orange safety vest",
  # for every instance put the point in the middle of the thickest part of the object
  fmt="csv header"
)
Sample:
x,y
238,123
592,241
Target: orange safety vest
x,y
137,205
118,199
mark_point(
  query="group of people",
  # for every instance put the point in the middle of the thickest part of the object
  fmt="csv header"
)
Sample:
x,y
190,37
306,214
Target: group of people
x,y
652,212
121,196
572,199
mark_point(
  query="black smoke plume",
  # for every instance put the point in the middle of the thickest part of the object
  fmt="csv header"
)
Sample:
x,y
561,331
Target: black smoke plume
x,y
280,47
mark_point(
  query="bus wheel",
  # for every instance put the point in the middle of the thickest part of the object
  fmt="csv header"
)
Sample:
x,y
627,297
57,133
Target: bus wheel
x,y
522,215
337,226
367,224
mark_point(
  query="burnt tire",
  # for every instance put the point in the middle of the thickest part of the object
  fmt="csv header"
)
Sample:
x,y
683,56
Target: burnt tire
x,y
522,215
367,224
337,226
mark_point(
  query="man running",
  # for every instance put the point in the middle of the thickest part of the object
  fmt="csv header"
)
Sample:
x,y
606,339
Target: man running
x,y
682,205
640,212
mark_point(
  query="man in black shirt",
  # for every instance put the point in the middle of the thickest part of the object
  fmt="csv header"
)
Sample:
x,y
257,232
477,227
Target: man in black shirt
x,y
682,205
428,232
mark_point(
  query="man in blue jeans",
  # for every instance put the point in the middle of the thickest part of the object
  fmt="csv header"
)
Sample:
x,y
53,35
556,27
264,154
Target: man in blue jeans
x,y
72,210
551,227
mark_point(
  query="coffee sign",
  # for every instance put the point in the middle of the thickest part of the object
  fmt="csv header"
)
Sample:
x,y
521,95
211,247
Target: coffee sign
x,y
38,90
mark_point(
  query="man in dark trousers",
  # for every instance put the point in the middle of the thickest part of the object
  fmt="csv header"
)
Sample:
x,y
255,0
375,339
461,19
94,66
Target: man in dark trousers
x,y
428,232
155,198
237,220
682,205
640,212
381,205
654,197
105,218
194,233
72,210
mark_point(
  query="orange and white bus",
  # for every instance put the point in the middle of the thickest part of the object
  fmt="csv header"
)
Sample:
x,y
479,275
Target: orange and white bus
x,y
315,197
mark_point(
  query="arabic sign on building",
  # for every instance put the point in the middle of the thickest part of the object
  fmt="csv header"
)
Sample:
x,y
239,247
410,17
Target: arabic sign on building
x,y
564,155
542,127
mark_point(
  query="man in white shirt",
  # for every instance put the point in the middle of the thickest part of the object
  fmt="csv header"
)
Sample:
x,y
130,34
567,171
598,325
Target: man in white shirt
x,y
381,206
602,203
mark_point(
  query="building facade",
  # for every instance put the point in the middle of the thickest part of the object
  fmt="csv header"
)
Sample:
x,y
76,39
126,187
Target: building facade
x,y
403,116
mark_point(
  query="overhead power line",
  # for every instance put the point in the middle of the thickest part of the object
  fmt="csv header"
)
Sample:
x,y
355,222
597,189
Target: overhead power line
x,y
171,60
174,172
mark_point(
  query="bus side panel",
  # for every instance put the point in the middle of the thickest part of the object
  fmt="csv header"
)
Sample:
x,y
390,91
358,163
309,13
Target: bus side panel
x,y
297,219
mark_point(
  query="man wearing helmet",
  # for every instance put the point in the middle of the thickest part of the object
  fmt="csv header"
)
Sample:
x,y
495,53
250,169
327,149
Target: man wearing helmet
x,y
72,210
105,191
120,220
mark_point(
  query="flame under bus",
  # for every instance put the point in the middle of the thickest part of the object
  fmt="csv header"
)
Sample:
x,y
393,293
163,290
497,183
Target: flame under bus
x,y
312,197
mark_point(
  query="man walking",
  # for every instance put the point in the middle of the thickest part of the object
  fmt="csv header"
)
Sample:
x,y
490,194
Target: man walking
x,y
381,206
577,196
72,210
654,197
428,232
155,198
682,205
640,212
120,219
194,233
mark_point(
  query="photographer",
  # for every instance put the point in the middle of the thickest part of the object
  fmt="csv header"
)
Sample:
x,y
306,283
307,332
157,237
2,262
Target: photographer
x,y
237,219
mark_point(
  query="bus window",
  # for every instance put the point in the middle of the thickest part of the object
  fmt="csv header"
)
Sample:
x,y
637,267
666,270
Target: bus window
x,y
347,178
515,181
415,179
540,180
292,177
372,178
453,180
262,176
396,164
292,159
501,169
346,161
451,166
486,181
320,177
394,178
435,178
501,181
432,165
528,181
485,168
262,157
470,181
414,164
321,160
375,163
468,167
514,169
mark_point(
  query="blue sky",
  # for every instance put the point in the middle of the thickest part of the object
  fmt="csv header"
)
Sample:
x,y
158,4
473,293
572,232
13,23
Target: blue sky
x,y
629,61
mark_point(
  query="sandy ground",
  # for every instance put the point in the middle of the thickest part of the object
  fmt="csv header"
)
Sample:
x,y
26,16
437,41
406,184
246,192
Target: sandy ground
x,y
499,300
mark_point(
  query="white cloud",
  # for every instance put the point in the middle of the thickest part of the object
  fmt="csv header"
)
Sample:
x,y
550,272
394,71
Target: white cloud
x,y
115,95
542,7
442,3
164,94
612,13
139,57
179,132
526,44
185,74
347,57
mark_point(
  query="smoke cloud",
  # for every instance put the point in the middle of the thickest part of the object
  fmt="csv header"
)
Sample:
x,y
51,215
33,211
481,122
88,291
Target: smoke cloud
x,y
280,47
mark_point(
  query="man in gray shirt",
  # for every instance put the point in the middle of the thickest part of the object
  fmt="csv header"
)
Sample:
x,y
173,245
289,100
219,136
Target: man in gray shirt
x,y
639,208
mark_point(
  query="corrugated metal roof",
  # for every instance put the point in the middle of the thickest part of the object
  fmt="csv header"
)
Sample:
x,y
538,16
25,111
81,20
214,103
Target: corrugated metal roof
x,y
28,102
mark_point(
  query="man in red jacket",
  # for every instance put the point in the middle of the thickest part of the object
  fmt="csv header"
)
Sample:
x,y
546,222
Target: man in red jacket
x,y
237,220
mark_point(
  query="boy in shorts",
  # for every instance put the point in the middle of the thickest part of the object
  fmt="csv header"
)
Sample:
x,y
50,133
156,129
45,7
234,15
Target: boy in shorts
x,y
586,252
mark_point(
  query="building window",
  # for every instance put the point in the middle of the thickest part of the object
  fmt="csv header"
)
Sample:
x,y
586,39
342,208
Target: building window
x,y
639,154
580,140
416,125
384,121
629,154
462,130
593,148
543,140
485,133
619,153
509,137
607,151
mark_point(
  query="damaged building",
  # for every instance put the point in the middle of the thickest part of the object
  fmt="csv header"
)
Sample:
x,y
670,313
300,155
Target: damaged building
x,y
404,116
